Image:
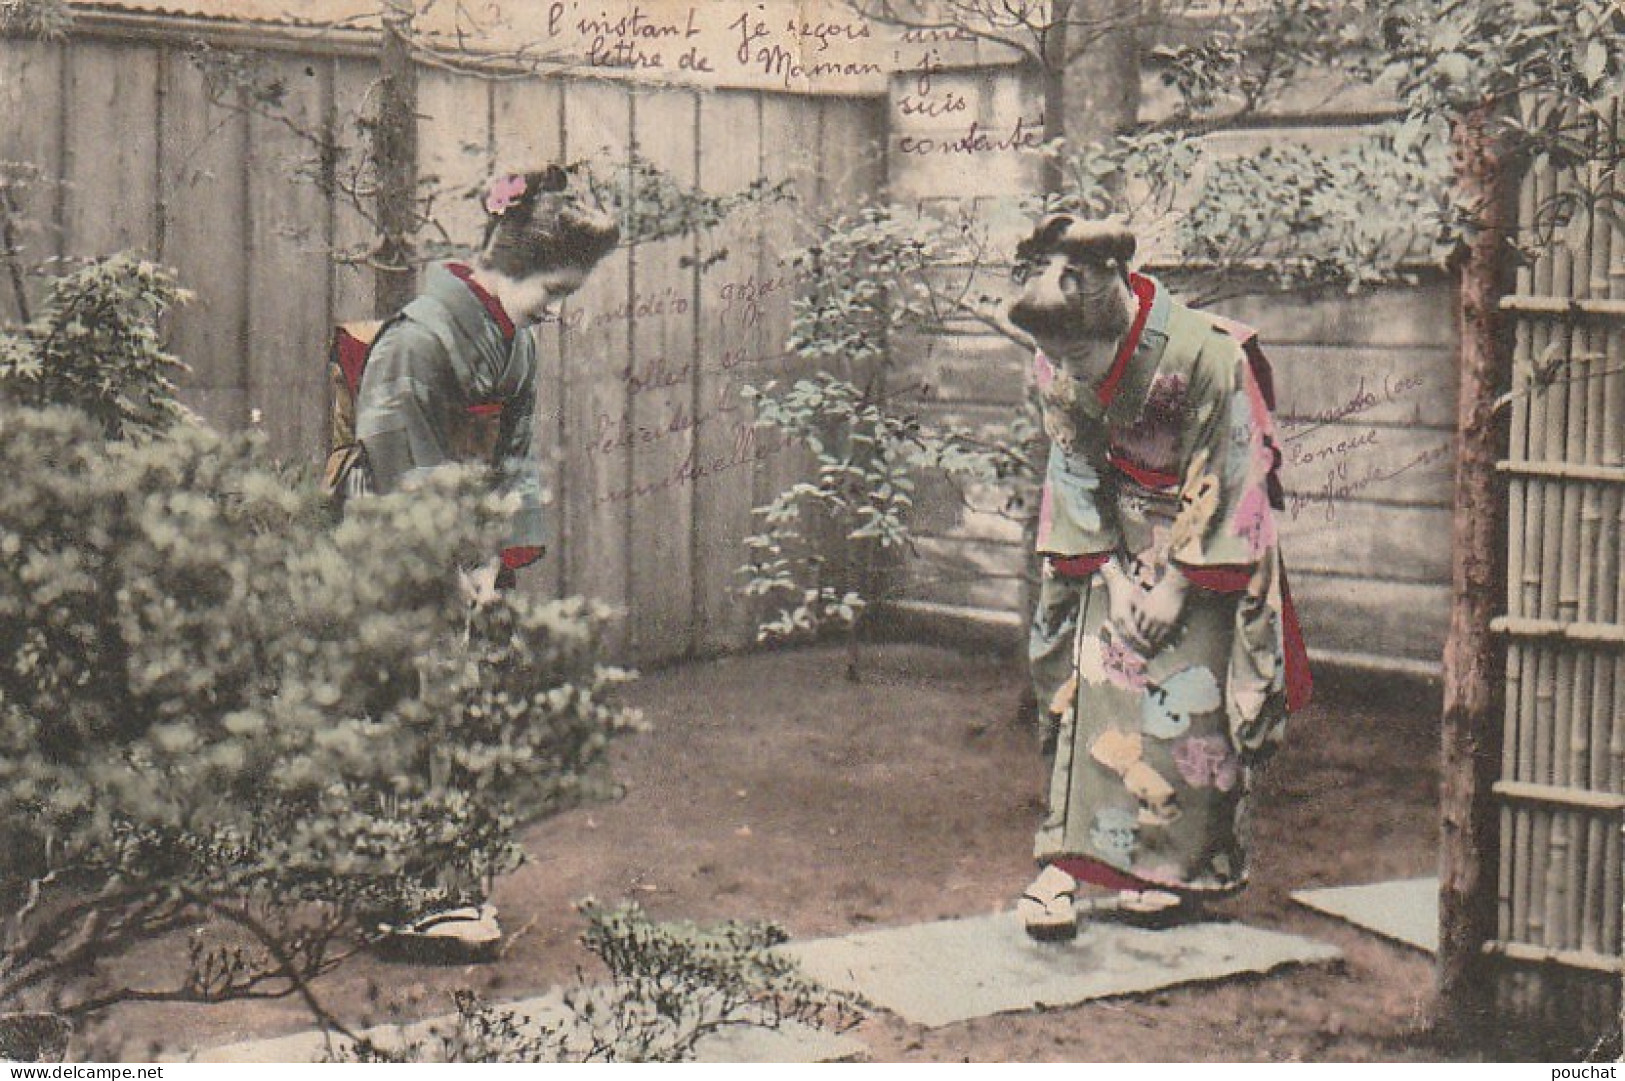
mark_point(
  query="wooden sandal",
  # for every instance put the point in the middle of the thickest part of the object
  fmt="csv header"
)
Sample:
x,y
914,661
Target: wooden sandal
x,y
456,936
1155,909
1048,908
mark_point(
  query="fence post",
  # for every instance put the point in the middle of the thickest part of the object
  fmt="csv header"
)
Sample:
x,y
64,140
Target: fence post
x,y
395,156
1471,725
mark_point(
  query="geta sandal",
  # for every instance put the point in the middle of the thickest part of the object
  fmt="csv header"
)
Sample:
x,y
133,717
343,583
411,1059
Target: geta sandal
x,y
1048,908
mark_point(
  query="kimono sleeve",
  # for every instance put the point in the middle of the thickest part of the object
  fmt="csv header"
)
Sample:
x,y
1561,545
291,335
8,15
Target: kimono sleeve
x,y
1075,515
401,409
519,474
1225,527
1076,512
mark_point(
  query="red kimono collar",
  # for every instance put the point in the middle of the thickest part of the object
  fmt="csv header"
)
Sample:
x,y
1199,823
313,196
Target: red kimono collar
x,y
493,306
1145,291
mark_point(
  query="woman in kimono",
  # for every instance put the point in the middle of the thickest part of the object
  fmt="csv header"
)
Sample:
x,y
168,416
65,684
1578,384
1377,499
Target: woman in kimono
x,y
452,378
1164,642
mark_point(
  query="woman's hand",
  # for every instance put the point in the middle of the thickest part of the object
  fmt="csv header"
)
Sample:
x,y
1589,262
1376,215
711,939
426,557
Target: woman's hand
x,y
1155,612
1122,601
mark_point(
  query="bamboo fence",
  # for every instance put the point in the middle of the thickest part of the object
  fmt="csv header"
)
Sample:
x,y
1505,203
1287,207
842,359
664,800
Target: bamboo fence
x,y
1561,796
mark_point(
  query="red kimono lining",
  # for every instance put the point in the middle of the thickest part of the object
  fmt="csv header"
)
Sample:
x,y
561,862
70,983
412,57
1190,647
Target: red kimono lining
x,y
1144,291
493,306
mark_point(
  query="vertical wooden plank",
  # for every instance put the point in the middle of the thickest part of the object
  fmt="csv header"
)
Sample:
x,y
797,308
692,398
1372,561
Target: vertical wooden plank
x,y
598,125
660,382
790,143
527,130
290,254
854,161
31,86
730,348
454,138
110,159
203,213
354,235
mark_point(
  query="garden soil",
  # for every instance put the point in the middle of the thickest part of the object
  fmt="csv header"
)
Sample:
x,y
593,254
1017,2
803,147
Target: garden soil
x,y
771,787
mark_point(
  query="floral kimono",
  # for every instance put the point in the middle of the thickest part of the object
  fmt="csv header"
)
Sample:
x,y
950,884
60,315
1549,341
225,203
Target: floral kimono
x,y
452,379
1167,466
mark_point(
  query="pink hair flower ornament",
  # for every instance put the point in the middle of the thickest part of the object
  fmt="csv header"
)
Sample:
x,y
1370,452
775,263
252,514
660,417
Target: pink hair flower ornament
x,y
503,193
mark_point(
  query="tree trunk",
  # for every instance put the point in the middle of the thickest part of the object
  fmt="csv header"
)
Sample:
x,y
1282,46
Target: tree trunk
x,y
395,154
1053,71
1101,79
1471,727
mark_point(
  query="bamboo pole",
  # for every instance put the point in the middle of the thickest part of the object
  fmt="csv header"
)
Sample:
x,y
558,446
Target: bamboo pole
x,y
1600,831
1550,409
1564,308
1611,705
1536,663
1613,871
1561,601
1522,539
1584,439
1543,564
1540,845
1509,820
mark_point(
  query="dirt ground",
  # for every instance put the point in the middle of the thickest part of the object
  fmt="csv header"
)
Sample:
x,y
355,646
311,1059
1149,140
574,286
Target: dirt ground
x,y
770,787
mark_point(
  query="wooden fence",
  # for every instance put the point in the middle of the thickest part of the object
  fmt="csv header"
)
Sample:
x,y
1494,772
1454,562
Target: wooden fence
x,y
138,152
1562,789
649,450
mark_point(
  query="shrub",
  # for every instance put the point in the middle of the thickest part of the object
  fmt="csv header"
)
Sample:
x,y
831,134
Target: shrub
x,y
96,346
216,703
671,985
832,545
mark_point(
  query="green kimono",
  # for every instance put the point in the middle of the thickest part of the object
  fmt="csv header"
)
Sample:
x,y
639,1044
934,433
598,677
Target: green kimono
x,y
452,379
1167,466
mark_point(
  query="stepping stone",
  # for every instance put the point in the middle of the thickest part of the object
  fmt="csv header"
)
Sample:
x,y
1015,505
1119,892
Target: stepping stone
x,y
1406,911
938,973
791,1042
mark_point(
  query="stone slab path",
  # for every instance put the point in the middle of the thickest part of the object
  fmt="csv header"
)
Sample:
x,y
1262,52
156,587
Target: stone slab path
x,y
1406,911
788,1043
937,973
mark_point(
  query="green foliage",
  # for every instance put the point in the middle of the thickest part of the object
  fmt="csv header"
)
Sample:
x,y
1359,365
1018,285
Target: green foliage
x,y
1539,74
830,545
651,205
96,346
1245,52
35,18
1286,218
216,702
670,986
1450,56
